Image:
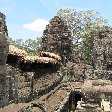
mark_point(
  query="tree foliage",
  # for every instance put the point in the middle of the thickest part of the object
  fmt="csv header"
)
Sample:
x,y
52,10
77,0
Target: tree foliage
x,y
84,26
32,46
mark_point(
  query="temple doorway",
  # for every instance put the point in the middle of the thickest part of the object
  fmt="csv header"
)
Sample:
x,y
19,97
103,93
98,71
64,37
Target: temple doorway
x,y
76,100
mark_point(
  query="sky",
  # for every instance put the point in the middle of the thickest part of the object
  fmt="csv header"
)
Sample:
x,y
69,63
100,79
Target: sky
x,y
28,18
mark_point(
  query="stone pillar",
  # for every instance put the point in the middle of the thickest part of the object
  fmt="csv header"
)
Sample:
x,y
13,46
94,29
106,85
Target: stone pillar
x,y
3,58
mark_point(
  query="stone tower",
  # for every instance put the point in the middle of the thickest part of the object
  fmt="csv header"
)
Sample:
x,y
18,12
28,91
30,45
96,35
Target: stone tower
x,y
103,49
57,39
3,58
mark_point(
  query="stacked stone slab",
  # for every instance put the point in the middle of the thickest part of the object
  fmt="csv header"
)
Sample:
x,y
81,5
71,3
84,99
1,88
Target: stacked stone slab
x,y
3,58
57,39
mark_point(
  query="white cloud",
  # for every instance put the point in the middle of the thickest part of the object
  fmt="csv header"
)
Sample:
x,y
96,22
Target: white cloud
x,y
37,25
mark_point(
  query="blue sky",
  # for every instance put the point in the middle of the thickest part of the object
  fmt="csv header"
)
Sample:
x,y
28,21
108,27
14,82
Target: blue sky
x,y
27,18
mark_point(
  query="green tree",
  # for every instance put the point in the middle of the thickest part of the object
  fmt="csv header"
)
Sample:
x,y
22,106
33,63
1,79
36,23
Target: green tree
x,y
84,26
18,42
31,46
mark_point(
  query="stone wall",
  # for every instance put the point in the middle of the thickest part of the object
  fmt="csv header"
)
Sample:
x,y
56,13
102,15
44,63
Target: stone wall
x,y
8,75
12,83
3,58
95,90
79,72
102,74
24,86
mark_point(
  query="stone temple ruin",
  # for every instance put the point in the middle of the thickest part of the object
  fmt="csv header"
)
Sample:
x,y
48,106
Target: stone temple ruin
x,y
52,81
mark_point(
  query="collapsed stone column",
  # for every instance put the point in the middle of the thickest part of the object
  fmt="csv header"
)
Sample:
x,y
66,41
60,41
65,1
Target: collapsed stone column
x,y
3,58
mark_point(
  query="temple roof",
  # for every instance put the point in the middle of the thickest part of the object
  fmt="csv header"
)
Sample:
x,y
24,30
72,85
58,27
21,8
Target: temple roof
x,y
45,57
37,59
51,55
